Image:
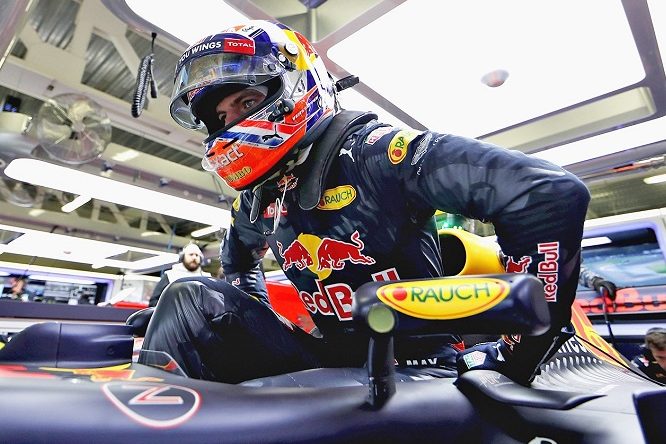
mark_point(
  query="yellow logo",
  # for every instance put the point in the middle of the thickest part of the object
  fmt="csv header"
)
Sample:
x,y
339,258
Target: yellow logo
x,y
336,198
444,298
236,204
397,149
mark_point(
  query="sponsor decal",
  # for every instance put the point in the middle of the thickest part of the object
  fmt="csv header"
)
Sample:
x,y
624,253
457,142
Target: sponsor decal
x,y
347,152
199,47
239,46
336,198
474,359
288,181
270,210
386,275
422,148
517,266
397,149
627,300
444,298
224,158
238,175
548,268
322,256
153,405
335,299
421,362
377,134
585,330
236,204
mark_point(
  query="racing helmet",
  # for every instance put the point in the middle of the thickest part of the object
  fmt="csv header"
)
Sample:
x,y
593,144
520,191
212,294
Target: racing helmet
x,y
292,95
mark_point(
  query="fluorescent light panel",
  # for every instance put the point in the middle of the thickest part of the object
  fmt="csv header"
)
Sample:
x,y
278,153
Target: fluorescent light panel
x,y
57,177
551,69
51,278
655,179
593,241
76,203
212,16
205,231
87,251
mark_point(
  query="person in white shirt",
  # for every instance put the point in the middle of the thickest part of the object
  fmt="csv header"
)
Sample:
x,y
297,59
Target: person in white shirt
x,y
191,258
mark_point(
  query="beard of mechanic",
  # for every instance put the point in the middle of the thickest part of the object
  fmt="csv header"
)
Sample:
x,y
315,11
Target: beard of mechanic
x,y
275,134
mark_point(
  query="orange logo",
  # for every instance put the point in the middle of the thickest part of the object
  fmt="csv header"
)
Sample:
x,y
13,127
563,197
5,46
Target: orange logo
x,y
444,298
585,330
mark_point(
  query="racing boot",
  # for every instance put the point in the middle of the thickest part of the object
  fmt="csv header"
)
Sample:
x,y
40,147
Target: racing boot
x,y
517,357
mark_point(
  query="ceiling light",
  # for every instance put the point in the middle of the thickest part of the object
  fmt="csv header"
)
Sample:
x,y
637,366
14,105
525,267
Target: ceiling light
x,y
549,71
655,179
76,203
35,212
81,250
150,233
78,182
607,143
593,241
205,231
218,15
52,278
126,155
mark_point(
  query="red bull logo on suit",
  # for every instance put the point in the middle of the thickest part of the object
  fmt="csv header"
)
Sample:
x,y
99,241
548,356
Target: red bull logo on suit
x,y
321,257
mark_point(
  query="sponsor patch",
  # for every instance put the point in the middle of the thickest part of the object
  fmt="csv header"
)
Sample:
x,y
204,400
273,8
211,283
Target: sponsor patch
x,y
236,204
474,359
288,181
322,256
238,175
548,268
239,46
517,266
422,148
397,150
336,198
444,298
153,405
377,134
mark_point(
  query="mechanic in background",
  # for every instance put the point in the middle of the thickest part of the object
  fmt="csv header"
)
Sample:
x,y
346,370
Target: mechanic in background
x,y
652,361
17,290
342,199
191,258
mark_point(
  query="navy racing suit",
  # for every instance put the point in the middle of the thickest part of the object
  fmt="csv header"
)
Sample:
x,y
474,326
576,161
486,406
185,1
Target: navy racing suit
x,y
372,220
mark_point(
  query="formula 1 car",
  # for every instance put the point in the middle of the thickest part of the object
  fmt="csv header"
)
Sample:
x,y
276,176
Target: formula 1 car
x,y
78,383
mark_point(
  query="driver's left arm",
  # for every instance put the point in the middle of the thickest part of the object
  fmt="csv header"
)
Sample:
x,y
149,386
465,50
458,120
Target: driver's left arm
x,y
537,208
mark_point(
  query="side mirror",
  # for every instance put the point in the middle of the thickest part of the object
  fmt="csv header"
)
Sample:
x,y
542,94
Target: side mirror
x,y
508,303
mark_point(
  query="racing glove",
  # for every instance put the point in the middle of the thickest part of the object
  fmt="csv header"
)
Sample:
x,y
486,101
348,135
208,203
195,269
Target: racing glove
x,y
604,288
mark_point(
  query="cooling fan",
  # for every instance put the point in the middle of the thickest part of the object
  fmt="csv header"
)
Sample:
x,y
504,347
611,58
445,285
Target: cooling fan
x,y
72,128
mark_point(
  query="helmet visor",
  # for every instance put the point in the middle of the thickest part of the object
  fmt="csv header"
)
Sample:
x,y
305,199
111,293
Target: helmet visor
x,y
217,69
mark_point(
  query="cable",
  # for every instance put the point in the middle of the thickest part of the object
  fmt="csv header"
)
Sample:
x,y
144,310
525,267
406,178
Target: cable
x,y
604,305
144,80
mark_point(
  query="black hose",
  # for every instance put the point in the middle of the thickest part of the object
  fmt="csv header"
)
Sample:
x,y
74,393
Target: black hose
x,y
144,78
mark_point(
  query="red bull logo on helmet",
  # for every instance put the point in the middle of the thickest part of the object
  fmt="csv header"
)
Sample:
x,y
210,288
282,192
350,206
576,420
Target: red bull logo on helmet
x,y
444,298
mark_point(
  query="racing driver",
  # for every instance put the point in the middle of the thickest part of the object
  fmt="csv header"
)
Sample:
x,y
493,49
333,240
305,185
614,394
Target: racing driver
x,y
342,199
